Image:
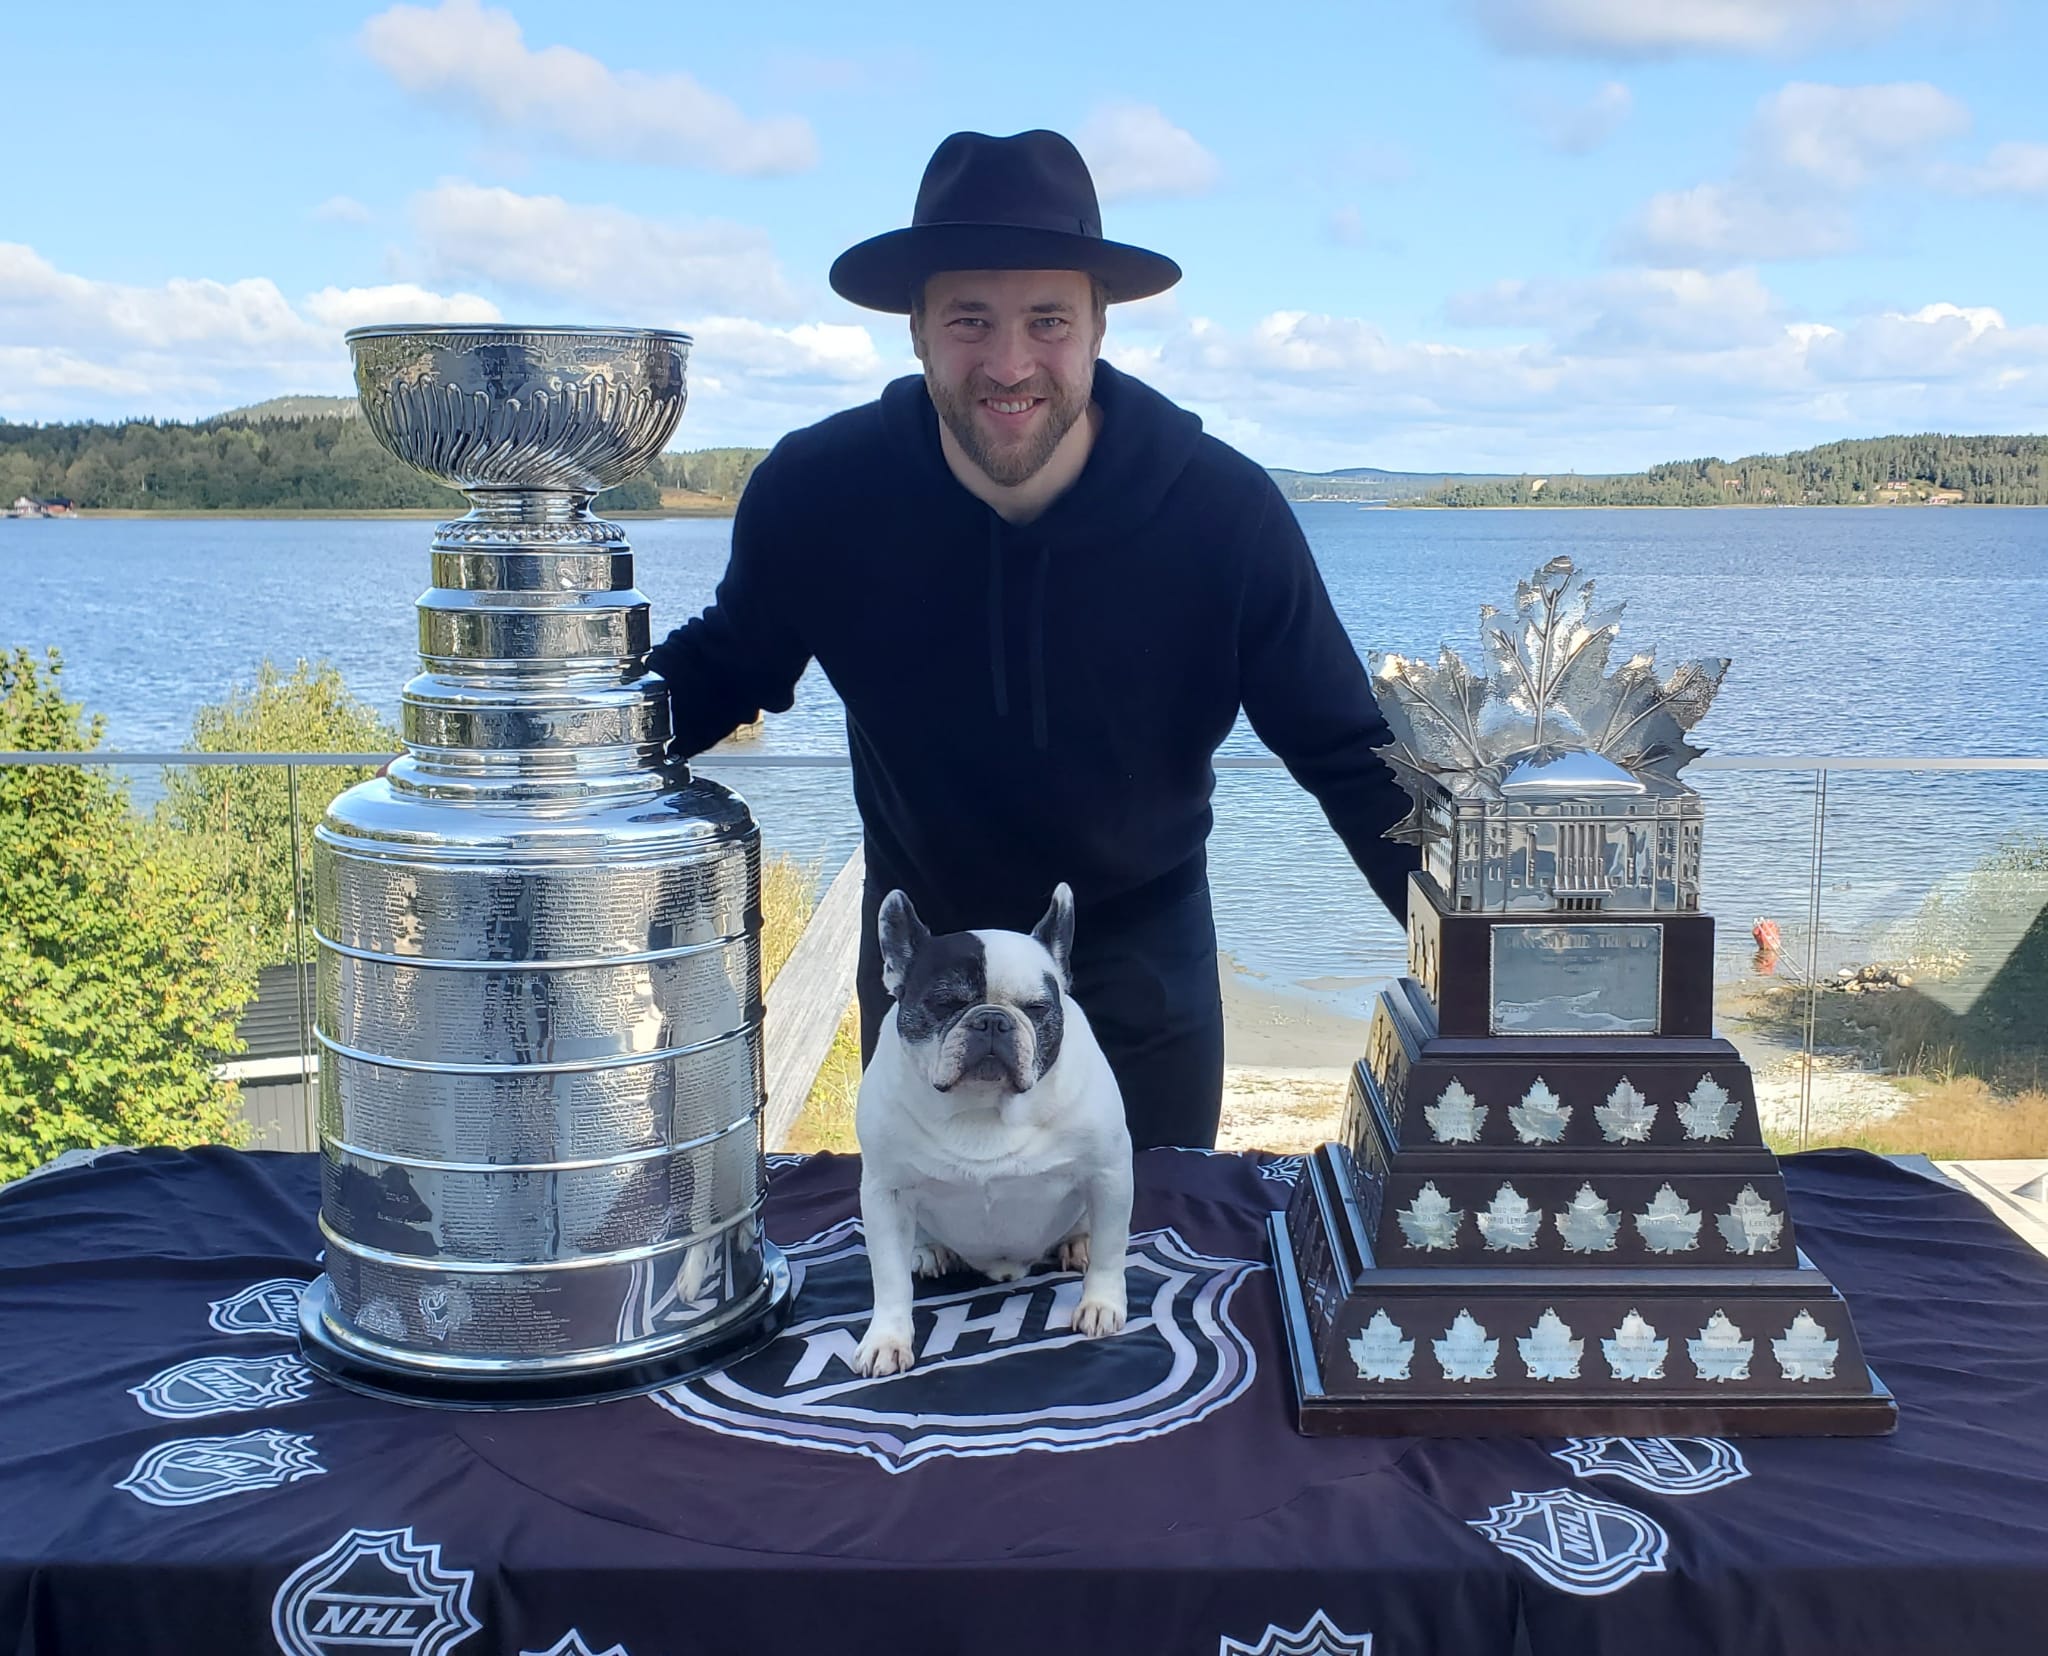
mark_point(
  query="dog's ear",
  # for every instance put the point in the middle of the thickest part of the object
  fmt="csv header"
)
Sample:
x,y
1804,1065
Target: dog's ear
x,y
901,934
1056,932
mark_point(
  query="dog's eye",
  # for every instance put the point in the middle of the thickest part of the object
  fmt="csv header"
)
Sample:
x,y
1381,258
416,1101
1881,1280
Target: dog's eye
x,y
1037,1008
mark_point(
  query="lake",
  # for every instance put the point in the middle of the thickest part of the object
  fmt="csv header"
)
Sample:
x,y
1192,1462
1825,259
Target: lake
x,y
1854,631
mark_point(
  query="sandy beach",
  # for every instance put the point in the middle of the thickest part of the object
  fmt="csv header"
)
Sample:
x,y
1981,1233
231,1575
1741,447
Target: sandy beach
x,y
1287,1061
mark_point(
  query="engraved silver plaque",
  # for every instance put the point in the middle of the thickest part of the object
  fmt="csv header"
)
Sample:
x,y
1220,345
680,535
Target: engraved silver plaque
x,y
1576,979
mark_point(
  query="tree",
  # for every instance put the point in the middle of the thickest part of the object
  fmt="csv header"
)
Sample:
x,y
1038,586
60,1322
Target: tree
x,y
119,990
236,820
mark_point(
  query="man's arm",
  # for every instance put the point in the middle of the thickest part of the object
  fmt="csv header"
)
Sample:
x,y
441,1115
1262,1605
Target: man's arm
x,y
1307,695
745,653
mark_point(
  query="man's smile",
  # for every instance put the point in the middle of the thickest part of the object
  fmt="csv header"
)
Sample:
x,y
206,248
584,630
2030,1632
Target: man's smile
x,y
1011,410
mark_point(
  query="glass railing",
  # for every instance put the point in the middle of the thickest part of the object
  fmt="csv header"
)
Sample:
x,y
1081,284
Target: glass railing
x,y
1882,933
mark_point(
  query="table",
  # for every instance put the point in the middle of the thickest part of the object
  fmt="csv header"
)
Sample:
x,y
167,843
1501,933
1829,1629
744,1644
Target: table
x,y
176,1481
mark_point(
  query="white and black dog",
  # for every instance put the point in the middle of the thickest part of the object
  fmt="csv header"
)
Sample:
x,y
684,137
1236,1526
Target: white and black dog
x,y
991,1129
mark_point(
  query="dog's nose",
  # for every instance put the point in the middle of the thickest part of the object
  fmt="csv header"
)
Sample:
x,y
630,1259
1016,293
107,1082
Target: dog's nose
x,y
991,1022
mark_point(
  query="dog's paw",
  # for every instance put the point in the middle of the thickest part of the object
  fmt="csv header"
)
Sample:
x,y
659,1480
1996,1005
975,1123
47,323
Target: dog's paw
x,y
1074,1254
1006,1270
884,1350
933,1259
1099,1316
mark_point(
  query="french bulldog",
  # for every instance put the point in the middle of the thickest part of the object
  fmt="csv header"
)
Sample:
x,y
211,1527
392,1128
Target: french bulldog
x,y
991,1129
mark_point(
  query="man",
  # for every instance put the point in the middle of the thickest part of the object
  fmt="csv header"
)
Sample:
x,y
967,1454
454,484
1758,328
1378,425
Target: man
x,y
1043,595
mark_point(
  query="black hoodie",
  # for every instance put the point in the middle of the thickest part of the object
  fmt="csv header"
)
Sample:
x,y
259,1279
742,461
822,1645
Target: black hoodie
x,y
1030,703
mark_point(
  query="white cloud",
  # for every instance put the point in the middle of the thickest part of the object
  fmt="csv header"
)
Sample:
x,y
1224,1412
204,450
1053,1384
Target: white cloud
x,y
71,346
1843,136
1134,152
1809,151
616,265
2011,169
341,209
1630,311
396,302
1726,224
475,57
1671,28
1626,369
1580,128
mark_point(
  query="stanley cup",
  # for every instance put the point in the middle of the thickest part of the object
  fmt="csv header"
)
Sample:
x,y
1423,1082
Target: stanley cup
x,y
539,941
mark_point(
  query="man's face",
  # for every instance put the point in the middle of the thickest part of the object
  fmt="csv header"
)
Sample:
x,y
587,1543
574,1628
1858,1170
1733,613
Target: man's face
x,y
1009,360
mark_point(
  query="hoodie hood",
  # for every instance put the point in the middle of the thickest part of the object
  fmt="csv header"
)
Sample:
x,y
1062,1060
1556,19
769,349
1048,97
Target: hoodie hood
x,y
1143,447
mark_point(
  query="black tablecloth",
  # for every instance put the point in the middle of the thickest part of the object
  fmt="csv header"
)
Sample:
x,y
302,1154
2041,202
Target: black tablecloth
x,y
174,1480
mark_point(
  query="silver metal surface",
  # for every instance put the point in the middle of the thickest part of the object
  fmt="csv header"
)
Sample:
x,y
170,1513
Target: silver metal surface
x,y
539,993
1548,782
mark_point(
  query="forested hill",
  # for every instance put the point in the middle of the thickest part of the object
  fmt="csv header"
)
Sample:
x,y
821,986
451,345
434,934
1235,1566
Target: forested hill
x,y
1867,471
274,457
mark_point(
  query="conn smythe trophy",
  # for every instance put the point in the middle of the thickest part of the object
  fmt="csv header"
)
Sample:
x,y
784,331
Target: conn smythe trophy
x,y
539,942
1551,1210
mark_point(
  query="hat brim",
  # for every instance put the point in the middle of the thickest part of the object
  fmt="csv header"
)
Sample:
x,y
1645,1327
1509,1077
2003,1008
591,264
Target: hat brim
x,y
886,272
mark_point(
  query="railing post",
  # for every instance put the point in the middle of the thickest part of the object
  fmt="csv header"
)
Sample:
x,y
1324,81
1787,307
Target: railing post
x,y
299,894
1814,882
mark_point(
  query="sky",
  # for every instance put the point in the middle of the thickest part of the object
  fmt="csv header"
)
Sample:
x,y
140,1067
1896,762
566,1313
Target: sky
x,y
1476,235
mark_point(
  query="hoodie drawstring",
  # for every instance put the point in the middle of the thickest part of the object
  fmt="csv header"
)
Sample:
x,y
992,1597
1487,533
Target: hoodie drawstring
x,y
998,671
1038,721
998,664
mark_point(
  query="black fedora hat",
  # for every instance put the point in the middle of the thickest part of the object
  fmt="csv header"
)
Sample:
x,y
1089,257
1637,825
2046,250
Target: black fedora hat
x,y
1021,203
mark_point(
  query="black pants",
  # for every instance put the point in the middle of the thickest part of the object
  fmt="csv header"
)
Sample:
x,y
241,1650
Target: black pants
x,y
1150,990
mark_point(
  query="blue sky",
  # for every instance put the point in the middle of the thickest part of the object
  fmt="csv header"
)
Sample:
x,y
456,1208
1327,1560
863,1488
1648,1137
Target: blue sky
x,y
1473,234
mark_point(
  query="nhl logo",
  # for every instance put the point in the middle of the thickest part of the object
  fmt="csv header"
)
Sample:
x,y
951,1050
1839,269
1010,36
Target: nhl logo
x,y
263,1308
1575,1542
1670,1466
223,1385
1318,1636
374,1590
1037,1384
186,1471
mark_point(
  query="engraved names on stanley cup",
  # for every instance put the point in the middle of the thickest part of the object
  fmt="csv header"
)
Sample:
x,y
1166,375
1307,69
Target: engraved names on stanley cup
x,y
539,943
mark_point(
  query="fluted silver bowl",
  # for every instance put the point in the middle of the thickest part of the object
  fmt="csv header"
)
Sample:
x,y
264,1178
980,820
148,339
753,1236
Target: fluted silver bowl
x,y
500,407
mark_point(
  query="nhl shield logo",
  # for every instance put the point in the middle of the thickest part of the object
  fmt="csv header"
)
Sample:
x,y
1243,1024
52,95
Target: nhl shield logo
x,y
263,1308
223,1385
186,1471
1668,1465
1037,1383
1318,1636
374,1590
1575,1542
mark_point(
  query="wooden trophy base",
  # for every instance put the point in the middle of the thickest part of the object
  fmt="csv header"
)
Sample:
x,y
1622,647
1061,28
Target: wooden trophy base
x,y
1556,1350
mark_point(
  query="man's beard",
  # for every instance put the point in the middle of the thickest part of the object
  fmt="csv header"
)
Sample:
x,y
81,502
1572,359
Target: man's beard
x,y
1011,463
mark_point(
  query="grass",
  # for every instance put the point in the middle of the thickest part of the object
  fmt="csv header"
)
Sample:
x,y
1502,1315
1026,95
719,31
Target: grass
x,y
1959,1119
788,898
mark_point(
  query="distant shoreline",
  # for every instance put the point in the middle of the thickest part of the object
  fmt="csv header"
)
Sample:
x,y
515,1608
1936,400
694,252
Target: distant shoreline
x,y
420,514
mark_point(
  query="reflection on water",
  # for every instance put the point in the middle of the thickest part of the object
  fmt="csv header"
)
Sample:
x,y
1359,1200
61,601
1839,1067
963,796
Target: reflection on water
x,y
1853,631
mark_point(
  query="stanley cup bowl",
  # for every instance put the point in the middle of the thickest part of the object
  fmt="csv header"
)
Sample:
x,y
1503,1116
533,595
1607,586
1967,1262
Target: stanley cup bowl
x,y
522,410
539,997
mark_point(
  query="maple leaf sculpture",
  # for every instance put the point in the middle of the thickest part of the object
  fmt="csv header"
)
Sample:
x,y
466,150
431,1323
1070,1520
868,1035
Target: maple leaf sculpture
x,y
1547,693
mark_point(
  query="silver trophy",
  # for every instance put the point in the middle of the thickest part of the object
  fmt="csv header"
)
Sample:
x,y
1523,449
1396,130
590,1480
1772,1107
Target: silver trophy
x,y
1546,784
539,941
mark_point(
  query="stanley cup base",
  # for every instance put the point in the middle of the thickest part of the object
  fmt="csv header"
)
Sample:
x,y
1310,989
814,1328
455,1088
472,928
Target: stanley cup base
x,y
744,1330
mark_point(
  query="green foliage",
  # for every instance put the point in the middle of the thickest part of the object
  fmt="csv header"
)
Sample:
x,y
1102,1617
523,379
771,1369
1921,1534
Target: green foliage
x,y
235,821
256,460
720,471
639,494
1872,471
117,991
